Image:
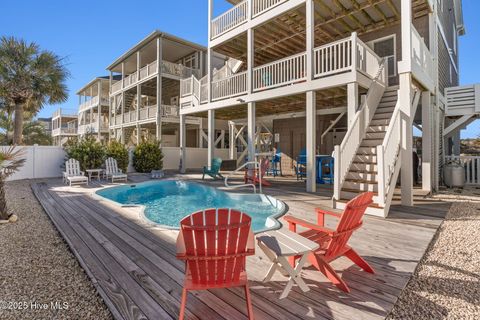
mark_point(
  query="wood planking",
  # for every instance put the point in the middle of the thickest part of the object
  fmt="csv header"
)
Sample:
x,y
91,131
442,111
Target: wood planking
x,y
121,250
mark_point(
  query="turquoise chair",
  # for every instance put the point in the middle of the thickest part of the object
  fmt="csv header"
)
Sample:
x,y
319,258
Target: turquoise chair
x,y
275,167
301,167
214,170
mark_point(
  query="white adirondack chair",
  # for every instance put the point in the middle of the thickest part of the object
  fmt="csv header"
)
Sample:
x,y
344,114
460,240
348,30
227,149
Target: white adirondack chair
x,y
112,171
73,174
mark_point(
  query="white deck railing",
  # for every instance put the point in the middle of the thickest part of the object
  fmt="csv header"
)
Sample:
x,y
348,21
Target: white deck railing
x,y
333,58
178,70
93,102
231,86
368,62
421,56
388,153
261,6
117,86
61,131
131,79
148,70
345,153
462,100
281,72
471,165
170,111
230,19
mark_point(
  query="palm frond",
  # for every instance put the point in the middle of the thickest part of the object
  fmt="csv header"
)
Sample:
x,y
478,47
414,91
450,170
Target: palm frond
x,y
11,160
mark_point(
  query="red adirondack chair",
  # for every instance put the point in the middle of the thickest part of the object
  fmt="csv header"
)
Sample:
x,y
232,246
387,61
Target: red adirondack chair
x,y
333,243
252,175
214,244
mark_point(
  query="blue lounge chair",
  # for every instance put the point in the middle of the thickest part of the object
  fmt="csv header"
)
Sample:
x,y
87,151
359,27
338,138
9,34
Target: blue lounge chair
x,y
301,165
214,170
325,170
276,164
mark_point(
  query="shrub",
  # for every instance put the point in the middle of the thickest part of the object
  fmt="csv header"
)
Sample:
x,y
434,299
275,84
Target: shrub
x,y
119,152
148,156
89,152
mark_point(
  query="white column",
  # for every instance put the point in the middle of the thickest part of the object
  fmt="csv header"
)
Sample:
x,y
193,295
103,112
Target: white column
x,y
209,52
159,90
99,109
405,98
139,87
183,144
251,131
250,58
310,37
211,136
352,101
231,136
406,27
311,135
427,141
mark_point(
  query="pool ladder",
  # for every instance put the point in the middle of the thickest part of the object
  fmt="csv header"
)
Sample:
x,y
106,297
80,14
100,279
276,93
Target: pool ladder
x,y
256,165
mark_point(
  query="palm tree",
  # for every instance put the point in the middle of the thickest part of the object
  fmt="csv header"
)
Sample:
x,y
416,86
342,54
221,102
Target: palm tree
x,y
10,161
29,79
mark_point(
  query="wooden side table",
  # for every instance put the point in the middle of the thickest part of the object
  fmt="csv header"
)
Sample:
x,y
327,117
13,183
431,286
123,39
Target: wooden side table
x,y
278,245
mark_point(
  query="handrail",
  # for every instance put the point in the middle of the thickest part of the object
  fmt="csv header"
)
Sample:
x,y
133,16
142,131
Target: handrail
x,y
257,166
345,153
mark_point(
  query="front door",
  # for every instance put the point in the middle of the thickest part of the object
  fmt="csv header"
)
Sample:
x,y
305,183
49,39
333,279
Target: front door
x,y
385,48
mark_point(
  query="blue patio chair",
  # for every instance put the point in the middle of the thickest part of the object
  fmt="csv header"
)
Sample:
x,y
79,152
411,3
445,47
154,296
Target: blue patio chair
x,y
326,171
214,170
275,164
301,165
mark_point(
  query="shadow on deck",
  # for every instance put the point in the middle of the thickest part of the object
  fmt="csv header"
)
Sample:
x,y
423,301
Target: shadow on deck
x,y
133,264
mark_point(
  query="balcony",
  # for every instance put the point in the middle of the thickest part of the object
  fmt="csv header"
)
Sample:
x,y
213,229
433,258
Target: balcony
x,y
344,56
93,102
422,61
239,14
92,128
166,68
64,131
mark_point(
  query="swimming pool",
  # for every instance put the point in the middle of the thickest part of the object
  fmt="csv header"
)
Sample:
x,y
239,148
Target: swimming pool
x,y
167,202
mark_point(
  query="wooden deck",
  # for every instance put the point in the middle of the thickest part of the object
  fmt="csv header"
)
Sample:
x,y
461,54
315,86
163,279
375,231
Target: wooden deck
x,y
133,266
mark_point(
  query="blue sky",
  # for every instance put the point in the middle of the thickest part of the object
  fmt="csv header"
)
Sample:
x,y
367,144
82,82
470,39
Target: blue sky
x,y
91,34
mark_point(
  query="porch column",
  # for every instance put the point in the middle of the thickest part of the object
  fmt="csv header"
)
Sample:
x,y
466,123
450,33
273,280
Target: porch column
x,y
311,116
209,54
99,122
352,101
251,131
456,142
211,136
310,37
250,58
158,123
182,144
231,137
405,98
427,141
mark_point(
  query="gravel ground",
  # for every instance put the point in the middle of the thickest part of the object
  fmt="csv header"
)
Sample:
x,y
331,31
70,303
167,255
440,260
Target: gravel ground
x,y
39,277
446,283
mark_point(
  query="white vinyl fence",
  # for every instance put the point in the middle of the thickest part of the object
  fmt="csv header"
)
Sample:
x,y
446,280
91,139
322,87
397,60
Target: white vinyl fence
x,y
48,161
42,162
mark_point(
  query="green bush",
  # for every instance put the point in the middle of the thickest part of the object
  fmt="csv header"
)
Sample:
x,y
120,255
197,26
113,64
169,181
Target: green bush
x,y
148,156
119,152
89,152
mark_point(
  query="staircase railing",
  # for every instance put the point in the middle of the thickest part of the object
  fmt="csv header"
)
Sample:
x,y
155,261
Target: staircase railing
x,y
256,166
388,154
345,153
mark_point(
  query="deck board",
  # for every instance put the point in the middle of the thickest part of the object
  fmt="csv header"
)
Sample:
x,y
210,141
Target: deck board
x,y
133,266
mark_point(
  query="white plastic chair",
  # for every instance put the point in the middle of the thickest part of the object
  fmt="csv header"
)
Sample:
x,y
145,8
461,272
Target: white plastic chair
x,y
73,174
112,171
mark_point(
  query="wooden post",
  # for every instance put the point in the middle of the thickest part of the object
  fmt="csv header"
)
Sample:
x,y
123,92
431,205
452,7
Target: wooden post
x,y
183,150
427,141
405,98
231,136
310,37
250,58
352,101
211,136
251,131
209,53
99,135
311,117
159,89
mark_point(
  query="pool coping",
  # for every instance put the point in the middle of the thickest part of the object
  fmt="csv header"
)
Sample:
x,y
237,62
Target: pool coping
x,y
270,219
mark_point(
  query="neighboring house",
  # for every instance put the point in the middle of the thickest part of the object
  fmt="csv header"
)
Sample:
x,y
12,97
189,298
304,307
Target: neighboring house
x,y
144,102
93,109
64,126
47,124
343,77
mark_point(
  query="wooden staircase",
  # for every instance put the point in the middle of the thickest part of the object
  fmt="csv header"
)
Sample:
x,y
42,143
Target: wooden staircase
x,y
362,174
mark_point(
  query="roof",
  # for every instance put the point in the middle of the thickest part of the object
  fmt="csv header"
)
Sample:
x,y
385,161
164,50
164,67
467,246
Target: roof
x,y
101,78
155,34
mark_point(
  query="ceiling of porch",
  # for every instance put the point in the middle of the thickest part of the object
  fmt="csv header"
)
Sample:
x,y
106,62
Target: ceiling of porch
x,y
334,20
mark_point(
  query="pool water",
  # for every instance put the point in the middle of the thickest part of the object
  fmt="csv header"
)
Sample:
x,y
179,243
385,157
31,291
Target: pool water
x,y
167,202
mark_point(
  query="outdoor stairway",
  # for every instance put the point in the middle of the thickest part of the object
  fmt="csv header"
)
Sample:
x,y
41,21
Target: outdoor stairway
x,y
362,175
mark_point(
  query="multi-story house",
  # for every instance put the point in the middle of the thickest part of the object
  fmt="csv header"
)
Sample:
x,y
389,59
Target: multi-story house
x,y
144,102
350,78
64,126
93,108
